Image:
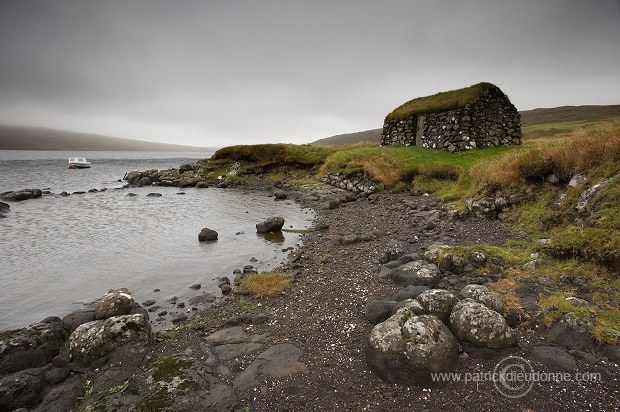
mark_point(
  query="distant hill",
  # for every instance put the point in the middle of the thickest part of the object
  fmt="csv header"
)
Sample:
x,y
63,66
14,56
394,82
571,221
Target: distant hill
x,y
568,114
36,138
533,117
373,135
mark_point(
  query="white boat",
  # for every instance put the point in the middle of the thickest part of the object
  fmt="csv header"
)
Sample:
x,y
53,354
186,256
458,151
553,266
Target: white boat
x,y
78,163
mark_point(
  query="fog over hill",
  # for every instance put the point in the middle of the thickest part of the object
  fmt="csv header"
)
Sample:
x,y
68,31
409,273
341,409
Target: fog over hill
x,y
36,138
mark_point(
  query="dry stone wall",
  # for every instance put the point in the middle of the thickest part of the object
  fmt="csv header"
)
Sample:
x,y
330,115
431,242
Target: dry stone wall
x,y
490,121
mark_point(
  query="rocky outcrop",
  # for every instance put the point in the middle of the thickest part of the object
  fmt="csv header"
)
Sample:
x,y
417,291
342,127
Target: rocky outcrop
x,y
475,323
20,195
273,224
355,184
30,347
114,303
590,193
95,339
407,348
207,234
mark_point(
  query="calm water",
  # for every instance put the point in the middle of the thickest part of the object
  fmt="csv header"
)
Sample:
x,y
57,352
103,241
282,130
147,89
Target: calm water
x,y
57,253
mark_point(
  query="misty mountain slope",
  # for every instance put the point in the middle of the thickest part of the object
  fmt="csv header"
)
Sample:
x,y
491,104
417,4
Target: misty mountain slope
x,y
36,138
373,135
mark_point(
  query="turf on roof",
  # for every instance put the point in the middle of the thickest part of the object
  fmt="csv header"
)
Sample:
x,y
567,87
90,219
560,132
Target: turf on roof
x,y
441,101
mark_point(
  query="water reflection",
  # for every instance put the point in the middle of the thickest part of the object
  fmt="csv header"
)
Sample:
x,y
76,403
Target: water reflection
x,y
273,237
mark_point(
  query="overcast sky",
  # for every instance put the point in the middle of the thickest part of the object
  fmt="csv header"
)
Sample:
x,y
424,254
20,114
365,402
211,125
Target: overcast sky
x,y
213,73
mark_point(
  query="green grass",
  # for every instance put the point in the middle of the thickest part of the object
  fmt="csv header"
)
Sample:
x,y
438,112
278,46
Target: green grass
x,y
265,155
441,101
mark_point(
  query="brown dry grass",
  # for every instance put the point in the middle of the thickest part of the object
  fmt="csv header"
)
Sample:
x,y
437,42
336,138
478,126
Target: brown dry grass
x,y
265,284
587,149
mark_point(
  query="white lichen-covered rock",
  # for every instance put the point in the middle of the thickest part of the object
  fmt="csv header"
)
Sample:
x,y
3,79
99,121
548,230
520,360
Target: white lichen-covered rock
x,y
475,323
114,303
590,193
407,348
485,296
434,251
418,272
438,302
95,339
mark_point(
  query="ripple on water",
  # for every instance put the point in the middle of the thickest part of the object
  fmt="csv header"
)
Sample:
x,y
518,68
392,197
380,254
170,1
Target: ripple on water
x,y
57,251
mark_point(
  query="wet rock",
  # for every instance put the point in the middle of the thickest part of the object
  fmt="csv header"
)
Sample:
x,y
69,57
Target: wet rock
x,y
21,195
485,296
188,167
280,194
63,194
407,348
273,224
130,194
133,177
556,359
276,363
22,389
207,234
96,339
114,303
4,208
409,292
147,303
226,289
195,286
202,185
376,311
30,347
473,322
74,319
154,195
572,332
438,302
418,272
590,193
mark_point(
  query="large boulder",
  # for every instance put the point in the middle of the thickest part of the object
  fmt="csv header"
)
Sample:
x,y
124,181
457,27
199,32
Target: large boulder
x,y
438,302
96,339
572,331
475,323
114,303
484,208
20,195
408,348
485,296
273,224
418,272
207,234
30,347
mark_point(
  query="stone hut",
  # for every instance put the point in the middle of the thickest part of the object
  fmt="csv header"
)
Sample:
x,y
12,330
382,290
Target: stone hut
x,y
474,117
